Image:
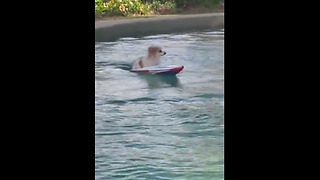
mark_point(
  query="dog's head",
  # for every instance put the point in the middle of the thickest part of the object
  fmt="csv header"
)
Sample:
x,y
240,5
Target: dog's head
x,y
154,52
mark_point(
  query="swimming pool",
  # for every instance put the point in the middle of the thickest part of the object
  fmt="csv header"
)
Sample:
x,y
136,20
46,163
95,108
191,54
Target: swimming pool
x,y
155,127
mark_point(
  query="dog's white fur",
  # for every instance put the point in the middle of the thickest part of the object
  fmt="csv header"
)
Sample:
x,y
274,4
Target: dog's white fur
x,y
153,58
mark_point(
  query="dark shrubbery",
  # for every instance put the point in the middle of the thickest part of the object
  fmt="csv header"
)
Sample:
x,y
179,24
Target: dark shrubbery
x,y
194,3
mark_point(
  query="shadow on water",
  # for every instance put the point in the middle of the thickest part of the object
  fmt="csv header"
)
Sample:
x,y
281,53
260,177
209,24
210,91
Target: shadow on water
x,y
159,81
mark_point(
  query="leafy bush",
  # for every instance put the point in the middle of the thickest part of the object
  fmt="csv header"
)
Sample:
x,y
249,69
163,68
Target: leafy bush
x,y
204,3
162,7
98,6
121,7
145,7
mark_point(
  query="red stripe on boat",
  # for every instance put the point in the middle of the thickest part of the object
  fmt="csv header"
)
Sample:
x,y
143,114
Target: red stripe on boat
x,y
177,69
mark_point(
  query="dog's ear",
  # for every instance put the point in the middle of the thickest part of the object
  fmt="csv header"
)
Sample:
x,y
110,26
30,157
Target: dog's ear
x,y
151,51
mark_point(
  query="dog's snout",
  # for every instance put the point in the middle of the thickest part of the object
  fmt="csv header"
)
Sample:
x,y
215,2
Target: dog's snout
x,y
164,53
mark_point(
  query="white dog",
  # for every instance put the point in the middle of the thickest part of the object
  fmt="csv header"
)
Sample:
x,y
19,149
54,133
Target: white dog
x,y
153,58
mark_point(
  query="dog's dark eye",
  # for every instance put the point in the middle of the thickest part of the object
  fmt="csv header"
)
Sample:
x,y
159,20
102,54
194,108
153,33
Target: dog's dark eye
x,y
160,51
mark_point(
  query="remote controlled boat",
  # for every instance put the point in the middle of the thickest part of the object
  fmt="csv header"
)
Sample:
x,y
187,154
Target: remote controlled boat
x,y
159,69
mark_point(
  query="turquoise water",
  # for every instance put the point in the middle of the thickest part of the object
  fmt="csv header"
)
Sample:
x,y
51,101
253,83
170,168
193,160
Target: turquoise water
x,y
153,127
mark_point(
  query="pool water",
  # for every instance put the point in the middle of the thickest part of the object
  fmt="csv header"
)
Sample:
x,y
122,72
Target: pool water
x,y
160,127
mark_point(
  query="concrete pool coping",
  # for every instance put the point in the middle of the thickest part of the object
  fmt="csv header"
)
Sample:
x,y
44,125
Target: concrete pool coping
x,y
111,30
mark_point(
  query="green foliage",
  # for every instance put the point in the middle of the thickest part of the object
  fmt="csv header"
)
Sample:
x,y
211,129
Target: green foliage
x,y
121,7
162,6
204,3
99,6
146,7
